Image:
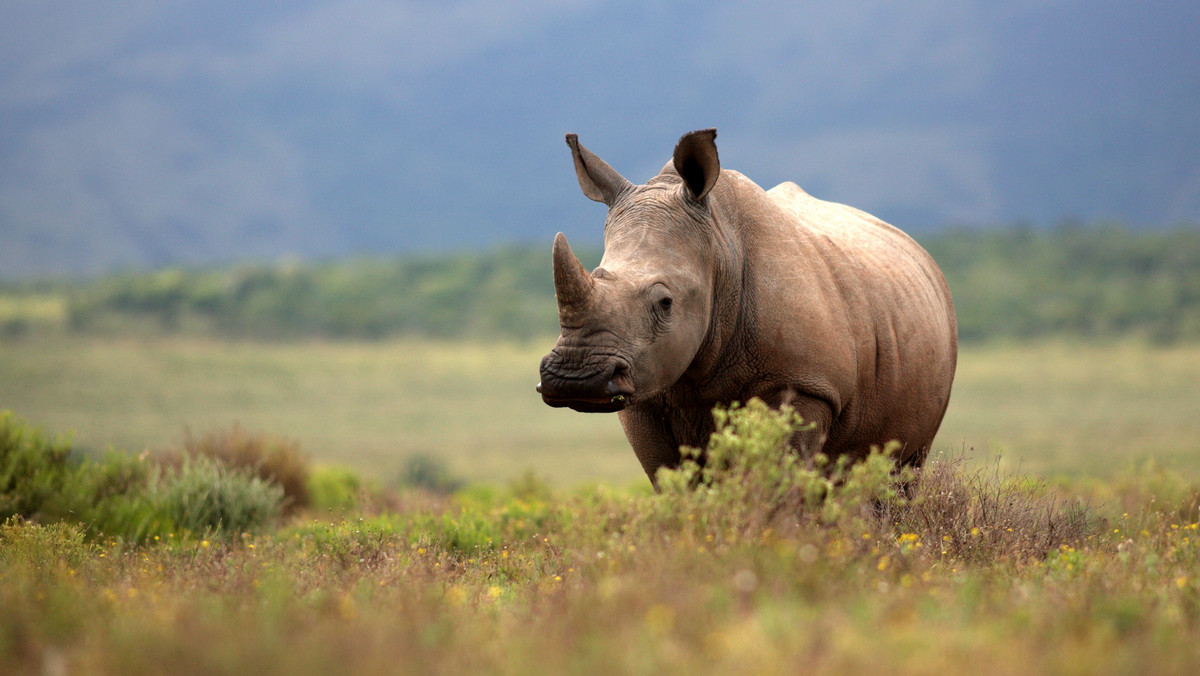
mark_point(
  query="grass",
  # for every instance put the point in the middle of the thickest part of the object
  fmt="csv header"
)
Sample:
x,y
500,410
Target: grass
x,y
1047,407
971,568
370,406
1070,408
1090,565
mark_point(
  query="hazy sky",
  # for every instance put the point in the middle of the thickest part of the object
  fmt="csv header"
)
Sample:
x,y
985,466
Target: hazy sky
x,y
144,133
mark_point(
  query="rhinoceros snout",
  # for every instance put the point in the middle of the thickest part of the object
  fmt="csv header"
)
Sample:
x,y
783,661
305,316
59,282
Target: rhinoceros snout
x,y
598,390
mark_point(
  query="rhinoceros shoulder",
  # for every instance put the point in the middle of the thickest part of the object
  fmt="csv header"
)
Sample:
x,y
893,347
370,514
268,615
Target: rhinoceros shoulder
x,y
838,221
787,191
813,211
791,197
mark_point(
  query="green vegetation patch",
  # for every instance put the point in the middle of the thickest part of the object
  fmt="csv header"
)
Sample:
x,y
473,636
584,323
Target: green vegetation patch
x,y
1101,280
130,497
1098,281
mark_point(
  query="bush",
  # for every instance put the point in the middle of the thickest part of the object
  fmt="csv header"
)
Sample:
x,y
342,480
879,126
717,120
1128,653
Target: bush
x,y
751,478
33,469
271,458
334,489
33,547
44,481
753,483
108,494
125,496
207,496
429,473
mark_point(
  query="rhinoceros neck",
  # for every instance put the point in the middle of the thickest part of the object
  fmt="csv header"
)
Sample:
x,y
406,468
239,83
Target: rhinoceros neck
x,y
729,316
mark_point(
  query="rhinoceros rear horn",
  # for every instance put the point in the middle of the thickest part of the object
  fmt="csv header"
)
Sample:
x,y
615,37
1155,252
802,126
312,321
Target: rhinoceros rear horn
x,y
572,284
697,163
599,181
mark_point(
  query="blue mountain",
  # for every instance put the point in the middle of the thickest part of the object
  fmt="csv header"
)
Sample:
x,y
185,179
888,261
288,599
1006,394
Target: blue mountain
x,y
158,133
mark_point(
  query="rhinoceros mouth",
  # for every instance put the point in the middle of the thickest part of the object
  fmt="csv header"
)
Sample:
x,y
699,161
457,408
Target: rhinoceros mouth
x,y
612,404
611,392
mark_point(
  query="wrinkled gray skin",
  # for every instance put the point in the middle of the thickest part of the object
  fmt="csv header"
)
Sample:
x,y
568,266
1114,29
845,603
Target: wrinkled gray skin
x,y
712,290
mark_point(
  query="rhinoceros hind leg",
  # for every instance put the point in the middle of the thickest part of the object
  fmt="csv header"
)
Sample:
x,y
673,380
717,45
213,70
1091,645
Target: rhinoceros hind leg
x,y
815,413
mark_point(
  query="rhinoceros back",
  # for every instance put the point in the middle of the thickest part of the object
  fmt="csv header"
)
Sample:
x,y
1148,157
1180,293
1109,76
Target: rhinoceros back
x,y
899,315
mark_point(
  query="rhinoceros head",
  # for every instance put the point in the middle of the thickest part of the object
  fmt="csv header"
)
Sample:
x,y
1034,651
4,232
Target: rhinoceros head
x,y
631,327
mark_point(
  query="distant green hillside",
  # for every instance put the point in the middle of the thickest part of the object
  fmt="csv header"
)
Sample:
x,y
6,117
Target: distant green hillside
x,y
1007,283
1073,280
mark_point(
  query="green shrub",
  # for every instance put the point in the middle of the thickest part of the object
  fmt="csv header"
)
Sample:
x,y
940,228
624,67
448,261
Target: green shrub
x,y
271,458
42,548
334,489
125,496
429,473
205,495
33,470
109,496
43,481
751,478
753,483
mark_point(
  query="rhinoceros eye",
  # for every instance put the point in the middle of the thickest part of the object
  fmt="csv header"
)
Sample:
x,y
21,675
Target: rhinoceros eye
x,y
661,301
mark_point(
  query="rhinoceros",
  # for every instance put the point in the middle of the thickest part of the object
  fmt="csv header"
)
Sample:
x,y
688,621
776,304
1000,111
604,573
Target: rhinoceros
x,y
712,290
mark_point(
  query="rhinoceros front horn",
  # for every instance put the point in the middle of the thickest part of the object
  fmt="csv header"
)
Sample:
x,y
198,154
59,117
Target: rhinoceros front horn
x,y
572,284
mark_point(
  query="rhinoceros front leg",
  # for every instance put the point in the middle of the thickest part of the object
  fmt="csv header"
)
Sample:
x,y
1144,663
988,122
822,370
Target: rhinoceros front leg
x,y
650,436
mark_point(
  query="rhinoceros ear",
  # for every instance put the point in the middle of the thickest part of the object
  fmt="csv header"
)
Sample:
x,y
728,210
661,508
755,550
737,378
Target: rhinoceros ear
x,y
599,181
697,163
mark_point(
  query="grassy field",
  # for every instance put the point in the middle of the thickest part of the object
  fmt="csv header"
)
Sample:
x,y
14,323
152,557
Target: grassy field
x,y
769,569
369,406
1095,571
1046,407
1072,408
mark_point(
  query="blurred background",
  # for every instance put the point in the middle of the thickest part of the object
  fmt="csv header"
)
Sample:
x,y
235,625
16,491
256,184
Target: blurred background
x,y
331,221
156,132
